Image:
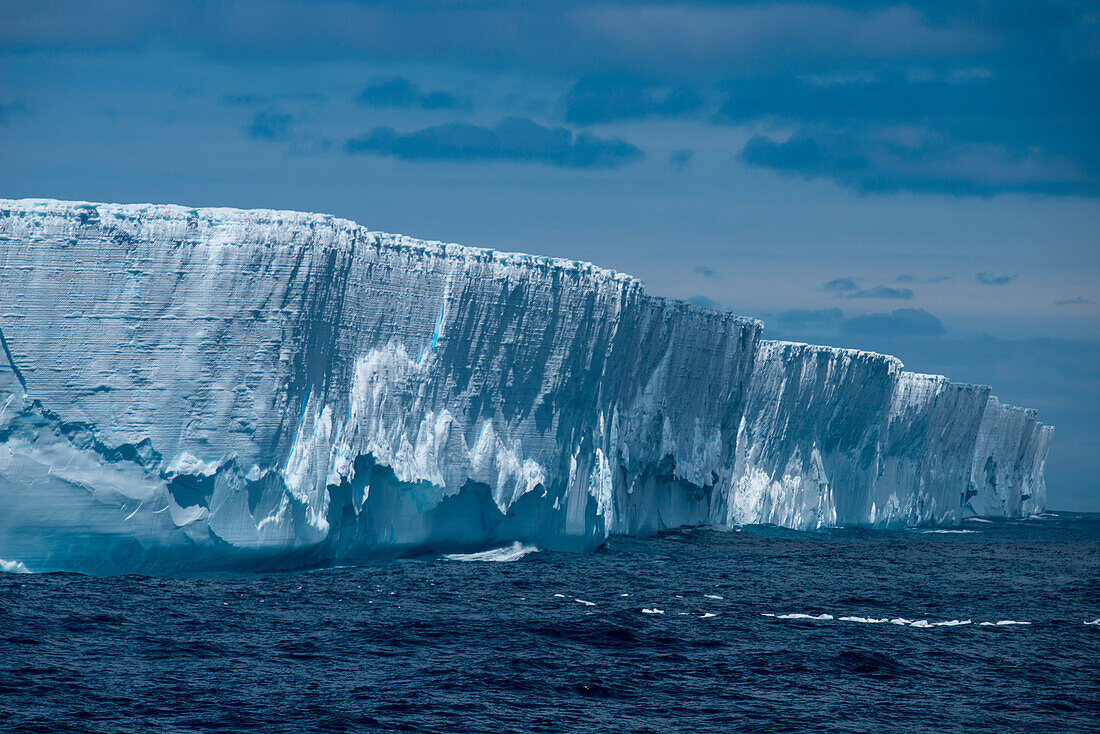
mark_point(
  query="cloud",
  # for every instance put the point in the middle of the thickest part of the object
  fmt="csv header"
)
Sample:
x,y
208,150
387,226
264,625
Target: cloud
x,y
608,98
883,160
705,271
827,319
882,291
269,125
923,96
1075,301
400,92
841,285
958,126
679,160
540,34
513,139
706,303
994,278
9,110
899,322
910,278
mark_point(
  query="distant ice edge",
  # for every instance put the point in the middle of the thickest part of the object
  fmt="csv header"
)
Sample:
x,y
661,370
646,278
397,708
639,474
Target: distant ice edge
x,y
206,388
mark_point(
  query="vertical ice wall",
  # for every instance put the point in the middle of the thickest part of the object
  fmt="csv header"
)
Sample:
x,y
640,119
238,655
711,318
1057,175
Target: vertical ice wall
x,y
807,449
1006,474
186,386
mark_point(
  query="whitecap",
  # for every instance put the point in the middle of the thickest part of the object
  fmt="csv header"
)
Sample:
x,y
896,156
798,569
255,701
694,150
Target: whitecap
x,y
559,596
1002,623
865,620
901,621
13,567
950,532
513,552
646,610
798,615
953,623
708,615
978,519
922,623
1095,621
712,596
586,603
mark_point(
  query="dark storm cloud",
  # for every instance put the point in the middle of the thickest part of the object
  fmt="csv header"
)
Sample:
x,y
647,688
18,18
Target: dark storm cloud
x,y
886,162
514,139
608,98
400,92
993,122
923,96
899,322
994,278
884,292
688,38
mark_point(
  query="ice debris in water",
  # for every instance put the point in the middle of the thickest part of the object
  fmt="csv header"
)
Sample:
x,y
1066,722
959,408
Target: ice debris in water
x,y
184,387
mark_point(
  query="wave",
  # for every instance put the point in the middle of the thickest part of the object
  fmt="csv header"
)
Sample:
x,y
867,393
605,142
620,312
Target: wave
x,y
513,552
950,532
13,567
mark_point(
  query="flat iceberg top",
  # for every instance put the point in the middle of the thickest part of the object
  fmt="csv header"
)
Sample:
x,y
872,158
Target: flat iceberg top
x,y
286,226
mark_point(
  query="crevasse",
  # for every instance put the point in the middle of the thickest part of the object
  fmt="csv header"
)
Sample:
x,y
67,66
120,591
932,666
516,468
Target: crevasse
x,y
208,388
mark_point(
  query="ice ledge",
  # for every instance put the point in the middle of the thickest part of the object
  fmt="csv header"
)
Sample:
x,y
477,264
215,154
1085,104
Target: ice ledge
x,y
280,222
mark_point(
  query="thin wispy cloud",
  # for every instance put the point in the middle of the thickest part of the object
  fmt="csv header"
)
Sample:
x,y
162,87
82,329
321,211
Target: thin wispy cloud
x,y
270,125
930,280
883,292
609,98
994,278
846,284
679,160
401,93
513,139
899,322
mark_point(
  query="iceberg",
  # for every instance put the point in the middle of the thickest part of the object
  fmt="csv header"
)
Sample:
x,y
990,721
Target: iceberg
x,y
183,389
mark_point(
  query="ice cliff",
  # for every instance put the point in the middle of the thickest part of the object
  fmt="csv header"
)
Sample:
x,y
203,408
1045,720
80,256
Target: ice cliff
x,y
190,388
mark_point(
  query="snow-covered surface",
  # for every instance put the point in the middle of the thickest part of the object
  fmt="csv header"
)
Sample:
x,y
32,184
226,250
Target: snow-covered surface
x,y
195,387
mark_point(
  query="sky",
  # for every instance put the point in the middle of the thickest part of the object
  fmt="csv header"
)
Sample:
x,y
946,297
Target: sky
x,y
921,179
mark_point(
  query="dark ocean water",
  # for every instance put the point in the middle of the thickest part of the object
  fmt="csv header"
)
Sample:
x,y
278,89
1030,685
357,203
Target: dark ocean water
x,y
560,642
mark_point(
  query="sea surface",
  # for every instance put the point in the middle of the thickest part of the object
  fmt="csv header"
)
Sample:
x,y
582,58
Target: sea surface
x,y
992,627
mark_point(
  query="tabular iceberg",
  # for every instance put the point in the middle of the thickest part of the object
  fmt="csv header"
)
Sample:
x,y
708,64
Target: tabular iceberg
x,y
208,388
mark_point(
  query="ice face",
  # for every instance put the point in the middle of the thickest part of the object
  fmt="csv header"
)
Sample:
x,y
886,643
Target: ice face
x,y
182,388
